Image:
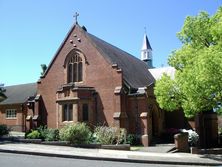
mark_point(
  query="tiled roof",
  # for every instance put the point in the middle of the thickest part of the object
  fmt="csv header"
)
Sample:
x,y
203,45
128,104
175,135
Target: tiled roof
x,y
135,71
17,94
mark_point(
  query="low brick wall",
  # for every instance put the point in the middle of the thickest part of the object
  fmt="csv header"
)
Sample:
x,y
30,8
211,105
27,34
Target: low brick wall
x,y
116,147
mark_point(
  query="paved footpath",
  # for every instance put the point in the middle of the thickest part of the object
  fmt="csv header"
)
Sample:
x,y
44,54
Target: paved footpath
x,y
112,155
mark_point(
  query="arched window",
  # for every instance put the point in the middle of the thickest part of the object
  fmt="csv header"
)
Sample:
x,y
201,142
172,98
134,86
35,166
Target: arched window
x,y
74,69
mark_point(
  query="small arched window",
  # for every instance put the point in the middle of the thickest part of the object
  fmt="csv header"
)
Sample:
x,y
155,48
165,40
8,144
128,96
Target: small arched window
x,y
74,69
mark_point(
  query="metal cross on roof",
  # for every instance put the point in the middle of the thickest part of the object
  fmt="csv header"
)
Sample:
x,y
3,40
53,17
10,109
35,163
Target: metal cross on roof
x,y
76,16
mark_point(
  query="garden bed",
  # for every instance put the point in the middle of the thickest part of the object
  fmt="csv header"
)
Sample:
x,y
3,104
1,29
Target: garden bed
x,y
66,143
81,136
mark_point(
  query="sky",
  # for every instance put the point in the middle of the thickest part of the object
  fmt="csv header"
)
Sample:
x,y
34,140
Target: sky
x,y
31,31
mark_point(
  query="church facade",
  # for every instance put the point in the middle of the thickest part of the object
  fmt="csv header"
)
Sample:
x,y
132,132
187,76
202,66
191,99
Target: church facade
x,y
89,80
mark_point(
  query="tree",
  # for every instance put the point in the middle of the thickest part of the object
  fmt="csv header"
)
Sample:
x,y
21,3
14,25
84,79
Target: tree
x,y
2,95
44,68
197,86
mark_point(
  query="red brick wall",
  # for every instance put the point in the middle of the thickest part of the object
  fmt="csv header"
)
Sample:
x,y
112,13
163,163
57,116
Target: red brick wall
x,y
98,73
17,124
135,106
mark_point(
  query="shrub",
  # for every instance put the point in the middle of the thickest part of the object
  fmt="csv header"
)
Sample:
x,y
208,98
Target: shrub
x,y
193,137
48,134
4,130
104,135
78,133
52,135
132,139
34,134
121,136
110,135
220,130
43,132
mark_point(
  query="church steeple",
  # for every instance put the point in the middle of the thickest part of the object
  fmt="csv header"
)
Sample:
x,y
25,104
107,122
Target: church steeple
x,y
146,52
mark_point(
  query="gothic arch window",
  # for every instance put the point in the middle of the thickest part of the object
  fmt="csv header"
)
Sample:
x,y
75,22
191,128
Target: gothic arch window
x,y
75,68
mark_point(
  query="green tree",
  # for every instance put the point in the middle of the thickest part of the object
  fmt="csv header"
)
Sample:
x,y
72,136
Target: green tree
x,y
44,68
2,95
197,86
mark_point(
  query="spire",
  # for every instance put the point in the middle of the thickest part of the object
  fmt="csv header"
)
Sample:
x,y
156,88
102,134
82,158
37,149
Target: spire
x,y
146,43
146,51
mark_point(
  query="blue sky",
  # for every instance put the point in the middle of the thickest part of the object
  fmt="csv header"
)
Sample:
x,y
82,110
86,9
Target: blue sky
x,y
31,31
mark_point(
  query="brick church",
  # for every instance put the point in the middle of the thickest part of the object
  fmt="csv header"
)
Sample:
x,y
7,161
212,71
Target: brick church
x,y
89,80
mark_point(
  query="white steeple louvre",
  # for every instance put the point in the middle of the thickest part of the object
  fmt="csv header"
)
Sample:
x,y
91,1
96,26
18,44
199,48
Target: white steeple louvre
x,y
146,52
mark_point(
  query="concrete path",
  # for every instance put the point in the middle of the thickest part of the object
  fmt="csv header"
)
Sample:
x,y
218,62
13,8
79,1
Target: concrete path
x,y
112,155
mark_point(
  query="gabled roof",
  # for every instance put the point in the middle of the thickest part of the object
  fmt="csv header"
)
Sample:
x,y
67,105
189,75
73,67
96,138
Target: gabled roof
x,y
18,94
135,71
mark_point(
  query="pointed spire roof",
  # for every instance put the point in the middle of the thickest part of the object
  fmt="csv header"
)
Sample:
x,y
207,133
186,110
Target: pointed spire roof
x,y
146,43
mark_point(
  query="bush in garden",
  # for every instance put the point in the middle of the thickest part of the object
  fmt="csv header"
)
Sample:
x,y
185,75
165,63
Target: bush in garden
x,y
133,140
110,135
34,134
78,133
104,135
193,137
121,136
4,130
43,132
52,135
48,134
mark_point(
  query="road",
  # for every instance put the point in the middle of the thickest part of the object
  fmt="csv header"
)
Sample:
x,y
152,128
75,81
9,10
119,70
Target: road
x,y
19,160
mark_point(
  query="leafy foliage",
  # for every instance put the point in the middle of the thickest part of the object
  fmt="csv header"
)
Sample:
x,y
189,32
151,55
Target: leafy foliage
x,y
2,95
197,85
48,134
193,137
44,68
78,133
4,130
52,135
34,134
110,135
133,140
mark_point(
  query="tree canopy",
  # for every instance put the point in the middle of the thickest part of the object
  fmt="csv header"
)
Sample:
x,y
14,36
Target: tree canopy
x,y
44,68
197,86
2,95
